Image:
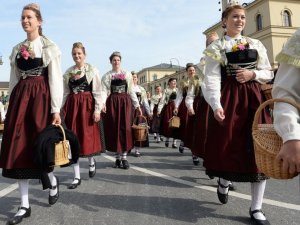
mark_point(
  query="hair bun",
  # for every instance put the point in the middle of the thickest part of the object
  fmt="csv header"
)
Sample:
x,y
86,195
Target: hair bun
x,y
33,6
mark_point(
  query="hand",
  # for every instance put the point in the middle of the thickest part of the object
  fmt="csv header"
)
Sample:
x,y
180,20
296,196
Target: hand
x,y
96,117
219,114
175,111
244,75
56,118
289,154
104,109
191,112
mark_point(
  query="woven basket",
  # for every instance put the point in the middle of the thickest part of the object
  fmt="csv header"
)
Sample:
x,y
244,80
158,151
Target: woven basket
x,y
267,144
140,130
61,150
174,122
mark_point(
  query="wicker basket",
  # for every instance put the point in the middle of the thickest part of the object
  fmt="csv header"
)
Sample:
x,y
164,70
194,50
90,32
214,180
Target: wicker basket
x,y
140,130
267,144
174,122
61,150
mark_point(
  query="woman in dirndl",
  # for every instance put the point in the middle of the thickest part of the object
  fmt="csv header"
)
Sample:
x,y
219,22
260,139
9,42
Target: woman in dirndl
x,y
189,99
165,110
82,107
155,119
36,92
117,90
144,104
236,65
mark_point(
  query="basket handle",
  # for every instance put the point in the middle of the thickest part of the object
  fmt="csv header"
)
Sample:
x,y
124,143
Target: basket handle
x,y
135,119
62,130
269,102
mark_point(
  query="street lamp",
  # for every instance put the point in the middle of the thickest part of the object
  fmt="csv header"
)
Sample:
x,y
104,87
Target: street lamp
x,y
177,62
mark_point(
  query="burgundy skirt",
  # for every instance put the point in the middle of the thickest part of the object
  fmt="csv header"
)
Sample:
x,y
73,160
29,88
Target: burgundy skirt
x,y
117,123
166,115
155,123
28,113
229,149
200,126
78,113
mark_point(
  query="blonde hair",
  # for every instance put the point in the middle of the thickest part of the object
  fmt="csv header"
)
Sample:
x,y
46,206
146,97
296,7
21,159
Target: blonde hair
x,y
36,9
79,45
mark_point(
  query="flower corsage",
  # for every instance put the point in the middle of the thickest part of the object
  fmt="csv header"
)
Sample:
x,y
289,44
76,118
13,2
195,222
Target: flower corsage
x,y
26,51
240,46
118,76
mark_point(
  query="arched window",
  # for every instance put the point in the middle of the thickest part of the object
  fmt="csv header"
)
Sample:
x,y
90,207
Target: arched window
x,y
258,22
287,19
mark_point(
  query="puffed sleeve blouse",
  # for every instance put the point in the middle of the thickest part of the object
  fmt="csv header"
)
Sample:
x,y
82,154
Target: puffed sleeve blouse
x,y
215,58
51,55
286,85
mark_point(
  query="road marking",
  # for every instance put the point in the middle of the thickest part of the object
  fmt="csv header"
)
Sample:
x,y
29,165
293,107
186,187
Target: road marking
x,y
9,189
208,188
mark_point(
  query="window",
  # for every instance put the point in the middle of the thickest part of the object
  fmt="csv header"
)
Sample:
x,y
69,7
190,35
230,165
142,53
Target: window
x,y
258,22
287,19
154,77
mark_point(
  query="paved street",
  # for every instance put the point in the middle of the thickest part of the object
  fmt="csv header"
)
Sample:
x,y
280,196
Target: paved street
x,y
161,187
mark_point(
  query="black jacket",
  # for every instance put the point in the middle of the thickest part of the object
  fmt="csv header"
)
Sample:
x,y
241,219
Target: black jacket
x,y
44,149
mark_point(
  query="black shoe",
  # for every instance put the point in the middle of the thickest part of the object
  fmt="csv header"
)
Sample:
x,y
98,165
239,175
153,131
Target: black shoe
x,y
167,143
18,219
92,173
196,160
181,149
155,137
212,177
117,163
125,164
223,198
74,185
232,187
257,221
53,199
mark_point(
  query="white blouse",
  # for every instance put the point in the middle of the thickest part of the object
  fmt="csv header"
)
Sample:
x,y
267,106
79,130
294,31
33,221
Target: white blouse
x,y
215,57
154,101
51,55
286,85
165,98
92,75
140,89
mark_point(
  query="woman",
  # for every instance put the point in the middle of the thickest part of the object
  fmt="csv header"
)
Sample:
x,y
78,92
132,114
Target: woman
x,y
117,91
286,116
155,119
236,65
36,97
82,107
143,101
186,107
165,110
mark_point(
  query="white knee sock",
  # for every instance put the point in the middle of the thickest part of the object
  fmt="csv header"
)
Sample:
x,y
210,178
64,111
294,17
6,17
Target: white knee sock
x,y
181,144
124,156
257,194
224,183
117,155
136,149
174,141
76,169
53,182
23,189
91,163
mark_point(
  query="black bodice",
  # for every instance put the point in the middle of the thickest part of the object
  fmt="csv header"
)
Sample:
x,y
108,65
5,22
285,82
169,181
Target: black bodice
x,y
80,85
35,65
173,96
118,86
240,59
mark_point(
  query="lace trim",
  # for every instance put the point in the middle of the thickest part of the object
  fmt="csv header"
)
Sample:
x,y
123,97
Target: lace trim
x,y
288,59
32,72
